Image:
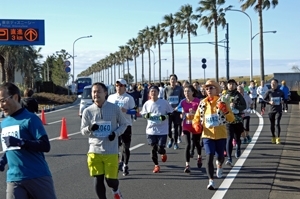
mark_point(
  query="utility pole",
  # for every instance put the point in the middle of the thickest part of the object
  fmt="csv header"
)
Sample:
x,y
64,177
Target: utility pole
x,y
227,51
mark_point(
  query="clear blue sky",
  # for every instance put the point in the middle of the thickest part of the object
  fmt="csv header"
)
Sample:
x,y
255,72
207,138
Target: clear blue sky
x,y
112,23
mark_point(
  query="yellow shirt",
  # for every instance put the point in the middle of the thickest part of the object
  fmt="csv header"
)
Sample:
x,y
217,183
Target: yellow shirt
x,y
212,119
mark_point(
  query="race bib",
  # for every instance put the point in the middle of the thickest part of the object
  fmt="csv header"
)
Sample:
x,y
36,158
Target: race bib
x,y
10,131
155,119
120,103
276,100
211,120
173,100
104,129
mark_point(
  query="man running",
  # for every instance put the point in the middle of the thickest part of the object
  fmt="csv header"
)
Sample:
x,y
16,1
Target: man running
x,y
261,91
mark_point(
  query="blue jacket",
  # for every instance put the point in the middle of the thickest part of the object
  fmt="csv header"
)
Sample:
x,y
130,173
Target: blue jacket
x,y
286,91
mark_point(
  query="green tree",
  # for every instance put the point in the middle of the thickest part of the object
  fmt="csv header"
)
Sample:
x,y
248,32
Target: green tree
x,y
214,18
134,46
185,24
141,43
259,6
129,78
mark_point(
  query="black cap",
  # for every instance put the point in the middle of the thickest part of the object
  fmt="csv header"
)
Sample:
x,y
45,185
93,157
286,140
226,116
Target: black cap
x,y
154,87
231,81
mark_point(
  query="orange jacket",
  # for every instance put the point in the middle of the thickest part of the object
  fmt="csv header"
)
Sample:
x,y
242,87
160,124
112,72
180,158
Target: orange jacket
x,y
204,112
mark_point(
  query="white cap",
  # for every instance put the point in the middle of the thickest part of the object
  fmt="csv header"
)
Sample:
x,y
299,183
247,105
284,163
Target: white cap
x,y
121,81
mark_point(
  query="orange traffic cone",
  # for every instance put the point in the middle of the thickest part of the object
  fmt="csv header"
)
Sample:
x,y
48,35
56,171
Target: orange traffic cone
x,y
43,118
63,130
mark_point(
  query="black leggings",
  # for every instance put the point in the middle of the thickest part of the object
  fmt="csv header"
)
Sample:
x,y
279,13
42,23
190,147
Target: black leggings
x,y
175,120
196,142
233,131
210,164
157,149
100,186
254,100
272,117
124,142
262,106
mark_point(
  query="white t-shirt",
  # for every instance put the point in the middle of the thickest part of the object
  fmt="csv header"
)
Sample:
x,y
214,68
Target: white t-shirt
x,y
253,92
261,91
123,101
156,109
161,93
248,101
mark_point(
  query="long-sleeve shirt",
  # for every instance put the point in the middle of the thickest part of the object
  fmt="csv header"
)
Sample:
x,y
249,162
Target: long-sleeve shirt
x,y
276,96
173,95
110,119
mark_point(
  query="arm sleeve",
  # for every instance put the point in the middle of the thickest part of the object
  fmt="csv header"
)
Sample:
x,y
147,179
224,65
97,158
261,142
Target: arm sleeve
x,y
85,123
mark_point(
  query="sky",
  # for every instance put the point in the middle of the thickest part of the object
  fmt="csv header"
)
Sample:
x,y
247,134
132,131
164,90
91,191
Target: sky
x,y
112,23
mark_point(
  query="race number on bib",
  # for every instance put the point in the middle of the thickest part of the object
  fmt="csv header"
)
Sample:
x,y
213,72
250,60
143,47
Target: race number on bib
x,y
211,120
155,119
104,129
10,131
173,100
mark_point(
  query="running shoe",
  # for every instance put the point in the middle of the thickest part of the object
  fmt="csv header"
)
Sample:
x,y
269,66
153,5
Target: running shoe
x,y
229,163
199,162
192,154
233,142
211,185
187,169
179,140
156,169
219,171
176,146
117,195
125,170
164,157
120,166
237,153
245,141
273,140
249,139
277,140
285,111
170,143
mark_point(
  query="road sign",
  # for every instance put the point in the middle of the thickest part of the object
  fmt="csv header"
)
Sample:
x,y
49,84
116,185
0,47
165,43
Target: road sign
x,y
22,32
68,69
67,63
204,66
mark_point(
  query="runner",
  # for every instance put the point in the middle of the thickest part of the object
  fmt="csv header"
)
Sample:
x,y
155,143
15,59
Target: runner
x,y
286,92
235,128
156,111
103,122
275,98
253,93
212,115
261,91
174,94
126,104
246,118
189,106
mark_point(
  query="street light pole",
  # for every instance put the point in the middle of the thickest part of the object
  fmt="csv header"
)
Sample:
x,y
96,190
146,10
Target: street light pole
x,y
73,54
154,69
251,49
271,31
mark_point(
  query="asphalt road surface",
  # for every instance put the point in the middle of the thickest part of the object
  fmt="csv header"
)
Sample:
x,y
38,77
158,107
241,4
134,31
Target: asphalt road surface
x,y
251,177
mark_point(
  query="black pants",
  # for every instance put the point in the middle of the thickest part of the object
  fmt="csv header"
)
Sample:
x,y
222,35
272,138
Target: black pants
x,y
124,142
175,120
275,117
254,100
262,106
100,186
285,105
196,142
233,131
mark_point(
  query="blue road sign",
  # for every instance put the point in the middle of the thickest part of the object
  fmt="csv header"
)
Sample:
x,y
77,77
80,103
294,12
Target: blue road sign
x,y
22,32
67,69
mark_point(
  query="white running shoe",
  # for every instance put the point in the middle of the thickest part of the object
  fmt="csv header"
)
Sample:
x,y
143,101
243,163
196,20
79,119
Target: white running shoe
x,y
219,171
211,185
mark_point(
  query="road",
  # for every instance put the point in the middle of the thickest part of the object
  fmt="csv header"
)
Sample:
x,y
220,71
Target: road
x,y
251,177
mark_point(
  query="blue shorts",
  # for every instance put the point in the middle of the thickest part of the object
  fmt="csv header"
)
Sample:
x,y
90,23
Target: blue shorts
x,y
159,140
216,147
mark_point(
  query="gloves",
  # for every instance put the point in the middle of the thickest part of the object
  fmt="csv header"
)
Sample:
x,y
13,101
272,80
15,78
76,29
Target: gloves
x,y
131,111
222,107
162,117
198,127
3,162
112,136
12,141
93,127
147,115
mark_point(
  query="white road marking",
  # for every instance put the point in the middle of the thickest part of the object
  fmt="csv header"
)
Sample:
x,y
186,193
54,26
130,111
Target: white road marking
x,y
136,146
54,122
220,193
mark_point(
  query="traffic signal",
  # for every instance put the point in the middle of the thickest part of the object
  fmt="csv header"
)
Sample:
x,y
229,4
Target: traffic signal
x,y
203,63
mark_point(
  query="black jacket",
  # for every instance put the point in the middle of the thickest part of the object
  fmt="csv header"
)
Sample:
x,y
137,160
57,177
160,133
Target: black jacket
x,y
30,104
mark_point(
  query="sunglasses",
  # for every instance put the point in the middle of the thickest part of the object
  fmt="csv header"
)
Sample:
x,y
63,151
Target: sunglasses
x,y
120,85
210,88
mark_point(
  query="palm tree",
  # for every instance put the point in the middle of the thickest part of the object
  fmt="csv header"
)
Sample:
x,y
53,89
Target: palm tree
x,y
158,34
214,18
133,43
259,7
169,26
184,20
148,35
126,52
141,43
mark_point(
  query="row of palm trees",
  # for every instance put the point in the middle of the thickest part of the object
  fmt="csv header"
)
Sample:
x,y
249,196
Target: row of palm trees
x,y
210,15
